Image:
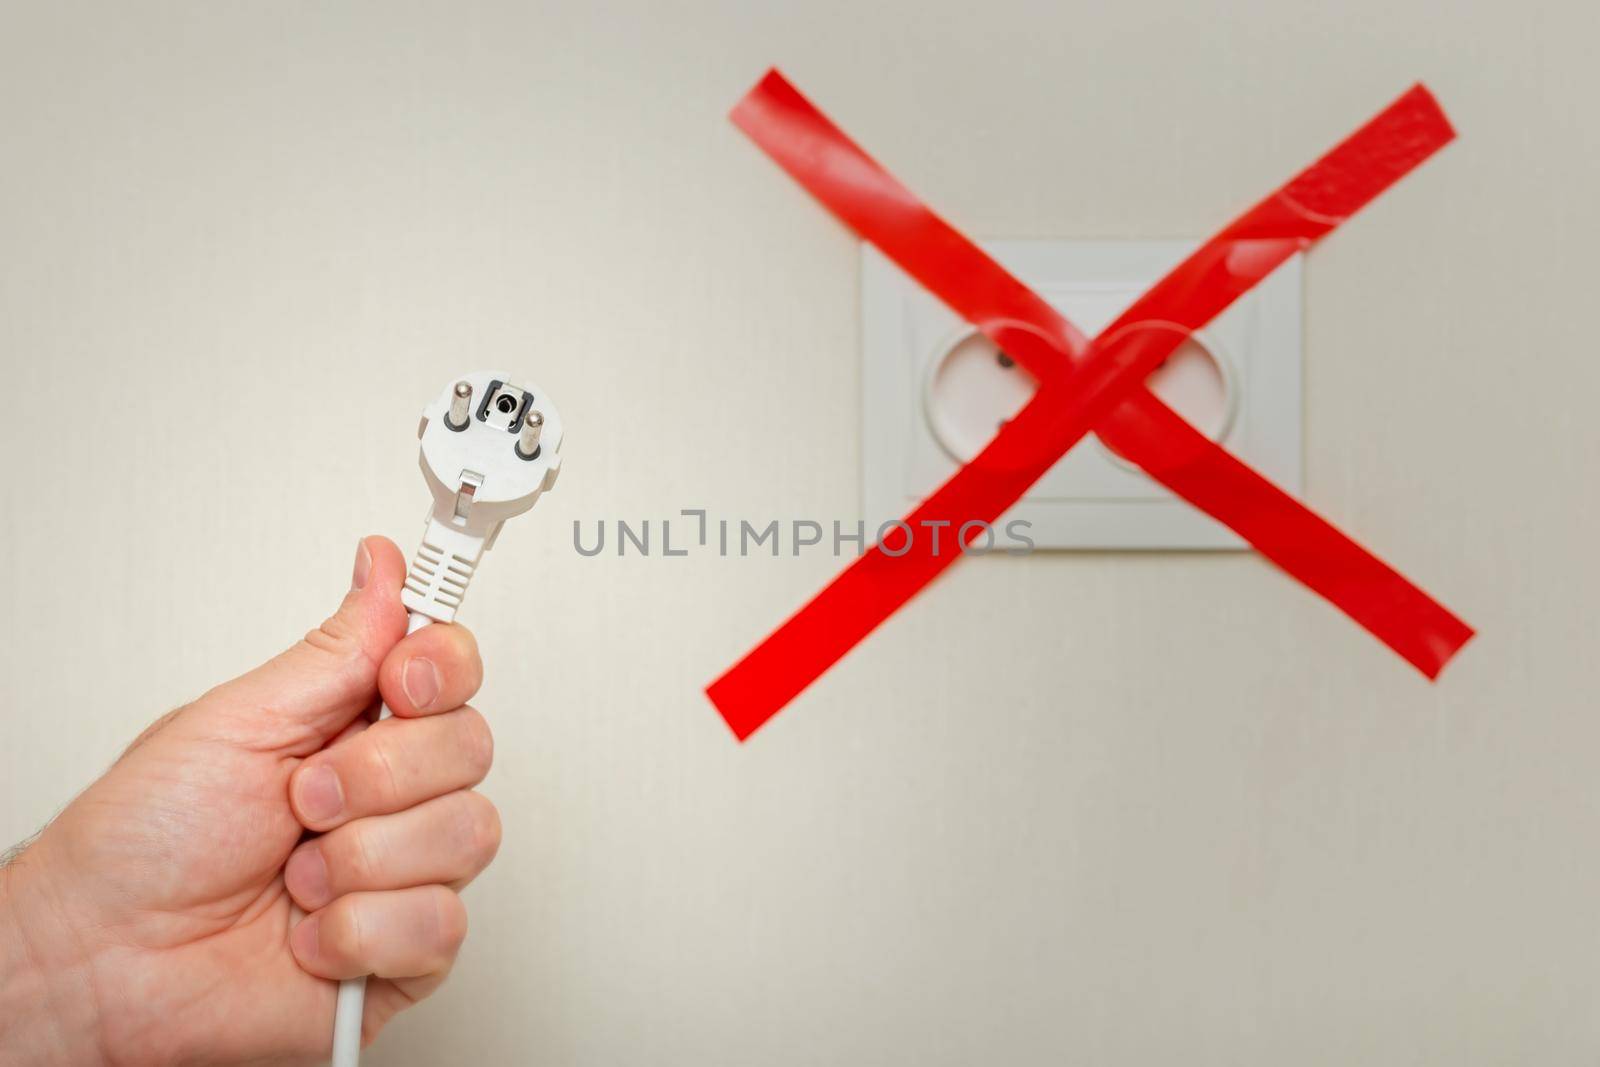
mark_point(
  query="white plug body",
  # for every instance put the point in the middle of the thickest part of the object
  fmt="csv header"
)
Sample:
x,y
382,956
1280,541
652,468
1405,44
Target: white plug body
x,y
473,439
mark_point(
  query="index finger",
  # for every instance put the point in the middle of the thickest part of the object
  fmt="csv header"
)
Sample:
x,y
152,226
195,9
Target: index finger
x,y
433,670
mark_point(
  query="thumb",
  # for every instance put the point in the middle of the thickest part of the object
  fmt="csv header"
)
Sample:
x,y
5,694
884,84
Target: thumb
x,y
302,698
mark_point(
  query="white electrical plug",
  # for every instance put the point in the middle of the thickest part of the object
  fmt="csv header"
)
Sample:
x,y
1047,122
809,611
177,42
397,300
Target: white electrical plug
x,y
489,448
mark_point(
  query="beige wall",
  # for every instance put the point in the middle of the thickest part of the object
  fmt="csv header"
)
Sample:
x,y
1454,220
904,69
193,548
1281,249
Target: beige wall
x,y
1095,809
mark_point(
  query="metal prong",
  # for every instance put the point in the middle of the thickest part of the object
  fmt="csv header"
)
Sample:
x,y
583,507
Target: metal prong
x,y
460,406
532,427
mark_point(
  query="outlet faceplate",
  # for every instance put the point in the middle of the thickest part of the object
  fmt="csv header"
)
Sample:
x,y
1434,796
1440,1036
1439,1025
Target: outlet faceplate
x,y
935,391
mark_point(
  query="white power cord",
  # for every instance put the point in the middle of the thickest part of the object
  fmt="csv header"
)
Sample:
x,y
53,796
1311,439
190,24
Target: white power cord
x,y
489,448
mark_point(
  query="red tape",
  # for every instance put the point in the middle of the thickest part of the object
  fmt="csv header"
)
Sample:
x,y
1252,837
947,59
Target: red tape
x,y
1087,385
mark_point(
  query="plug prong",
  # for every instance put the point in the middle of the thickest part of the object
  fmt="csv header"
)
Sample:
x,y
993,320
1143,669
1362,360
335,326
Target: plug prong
x,y
532,427
460,405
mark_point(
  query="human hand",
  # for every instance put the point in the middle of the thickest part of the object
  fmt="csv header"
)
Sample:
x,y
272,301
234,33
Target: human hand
x,y
152,921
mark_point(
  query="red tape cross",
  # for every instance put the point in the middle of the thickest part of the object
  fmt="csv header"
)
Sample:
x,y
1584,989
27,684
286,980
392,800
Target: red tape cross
x,y
1087,385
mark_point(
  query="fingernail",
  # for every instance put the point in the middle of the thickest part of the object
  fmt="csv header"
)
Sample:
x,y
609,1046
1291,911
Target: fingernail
x,y
306,875
363,565
303,938
420,680
319,793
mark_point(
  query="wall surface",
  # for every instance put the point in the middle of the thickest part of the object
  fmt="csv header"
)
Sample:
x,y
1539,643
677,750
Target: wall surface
x,y
1095,808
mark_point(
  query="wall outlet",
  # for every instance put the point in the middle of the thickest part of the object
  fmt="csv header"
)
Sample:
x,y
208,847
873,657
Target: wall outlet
x,y
935,391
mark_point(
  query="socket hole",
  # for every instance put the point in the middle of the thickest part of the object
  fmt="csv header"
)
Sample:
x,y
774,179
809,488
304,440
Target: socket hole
x,y
1191,382
1196,382
972,392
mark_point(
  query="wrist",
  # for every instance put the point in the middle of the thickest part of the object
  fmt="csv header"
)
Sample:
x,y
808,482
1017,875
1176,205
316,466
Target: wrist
x,y
47,1011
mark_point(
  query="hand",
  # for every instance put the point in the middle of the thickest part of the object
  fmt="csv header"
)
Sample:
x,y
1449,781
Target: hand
x,y
152,922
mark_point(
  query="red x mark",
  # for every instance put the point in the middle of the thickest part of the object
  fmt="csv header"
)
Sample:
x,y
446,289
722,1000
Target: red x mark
x,y
1087,385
